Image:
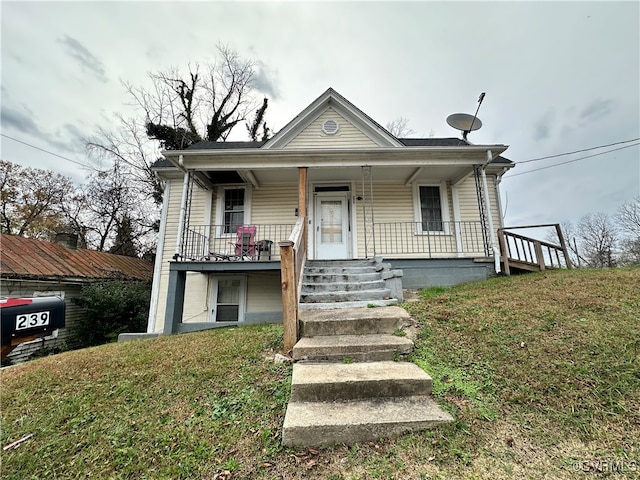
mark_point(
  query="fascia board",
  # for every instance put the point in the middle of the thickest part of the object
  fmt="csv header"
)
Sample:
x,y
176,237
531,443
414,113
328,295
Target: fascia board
x,y
258,160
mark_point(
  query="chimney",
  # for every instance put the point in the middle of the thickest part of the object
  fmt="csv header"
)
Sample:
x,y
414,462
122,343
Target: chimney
x,y
69,240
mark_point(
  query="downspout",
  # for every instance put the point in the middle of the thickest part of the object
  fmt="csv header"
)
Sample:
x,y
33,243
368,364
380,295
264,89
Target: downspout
x,y
157,268
183,209
492,233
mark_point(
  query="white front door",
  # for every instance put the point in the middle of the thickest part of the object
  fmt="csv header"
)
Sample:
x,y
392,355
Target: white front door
x,y
332,225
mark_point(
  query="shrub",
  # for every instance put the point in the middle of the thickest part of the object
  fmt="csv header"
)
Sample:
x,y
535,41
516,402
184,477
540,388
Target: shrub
x,y
111,307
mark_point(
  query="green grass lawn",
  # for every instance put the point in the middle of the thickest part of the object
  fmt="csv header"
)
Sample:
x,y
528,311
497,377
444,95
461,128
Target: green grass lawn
x,y
542,373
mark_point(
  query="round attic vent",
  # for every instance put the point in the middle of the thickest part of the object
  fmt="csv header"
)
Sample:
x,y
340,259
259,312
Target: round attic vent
x,y
330,127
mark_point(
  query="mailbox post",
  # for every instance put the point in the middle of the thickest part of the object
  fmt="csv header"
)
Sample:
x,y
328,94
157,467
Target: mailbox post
x,y
26,319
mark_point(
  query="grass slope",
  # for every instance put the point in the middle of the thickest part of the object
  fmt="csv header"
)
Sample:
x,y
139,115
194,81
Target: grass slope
x,y
542,373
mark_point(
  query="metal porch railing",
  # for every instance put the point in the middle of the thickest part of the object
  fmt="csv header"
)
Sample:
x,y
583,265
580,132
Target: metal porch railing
x,y
430,239
211,243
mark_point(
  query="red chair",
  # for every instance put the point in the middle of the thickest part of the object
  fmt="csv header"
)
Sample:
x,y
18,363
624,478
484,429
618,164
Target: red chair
x,y
246,242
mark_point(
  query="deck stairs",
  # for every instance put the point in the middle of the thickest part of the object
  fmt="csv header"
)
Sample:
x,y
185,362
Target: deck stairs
x,y
350,383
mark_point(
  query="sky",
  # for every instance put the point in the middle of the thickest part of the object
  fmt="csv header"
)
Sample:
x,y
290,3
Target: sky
x,y
558,77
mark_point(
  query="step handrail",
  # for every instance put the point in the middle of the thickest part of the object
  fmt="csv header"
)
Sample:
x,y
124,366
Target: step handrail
x,y
293,255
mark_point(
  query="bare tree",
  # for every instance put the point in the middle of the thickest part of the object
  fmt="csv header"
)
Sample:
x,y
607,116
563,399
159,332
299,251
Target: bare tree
x,y
598,238
130,149
628,217
399,128
203,104
570,234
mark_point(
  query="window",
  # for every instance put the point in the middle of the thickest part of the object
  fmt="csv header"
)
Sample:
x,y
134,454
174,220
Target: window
x,y
234,206
431,209
228,299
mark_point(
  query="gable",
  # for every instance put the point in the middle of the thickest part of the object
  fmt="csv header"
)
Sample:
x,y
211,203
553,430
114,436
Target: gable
x,y
347,135
355,128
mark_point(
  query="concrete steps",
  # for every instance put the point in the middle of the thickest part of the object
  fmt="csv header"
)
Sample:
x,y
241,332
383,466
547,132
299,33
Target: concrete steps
x,y
327,382
364,348
342,282
352,321
346,388
320,424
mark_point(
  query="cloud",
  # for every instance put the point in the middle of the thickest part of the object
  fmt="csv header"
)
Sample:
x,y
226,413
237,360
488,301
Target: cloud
x,y
85,58
597,109
12,118
542,126
265,81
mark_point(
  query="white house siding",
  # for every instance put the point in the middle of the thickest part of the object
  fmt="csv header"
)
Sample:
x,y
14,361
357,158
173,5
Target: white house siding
x,y
30,288
347,136
264,296
197,217
393,203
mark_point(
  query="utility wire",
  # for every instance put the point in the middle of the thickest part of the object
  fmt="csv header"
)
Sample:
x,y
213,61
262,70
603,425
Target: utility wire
x,y
46,151
574,160
578,151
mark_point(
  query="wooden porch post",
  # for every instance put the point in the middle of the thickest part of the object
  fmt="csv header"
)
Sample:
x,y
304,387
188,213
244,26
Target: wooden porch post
x,y
538,249
564,246
302,191
289,295
504,251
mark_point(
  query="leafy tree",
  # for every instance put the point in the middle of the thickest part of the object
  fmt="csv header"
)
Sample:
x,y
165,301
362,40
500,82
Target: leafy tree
x,y
30,200
111,308
124,243
258,121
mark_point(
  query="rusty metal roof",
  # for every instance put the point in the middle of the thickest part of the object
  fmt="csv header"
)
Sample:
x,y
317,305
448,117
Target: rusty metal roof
x,y
29,258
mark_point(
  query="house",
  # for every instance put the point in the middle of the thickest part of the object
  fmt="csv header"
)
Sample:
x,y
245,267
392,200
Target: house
x,y
32,268
332,184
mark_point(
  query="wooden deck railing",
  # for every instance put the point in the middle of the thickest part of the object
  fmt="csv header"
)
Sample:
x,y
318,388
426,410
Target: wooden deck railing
x,y
525,253
293,255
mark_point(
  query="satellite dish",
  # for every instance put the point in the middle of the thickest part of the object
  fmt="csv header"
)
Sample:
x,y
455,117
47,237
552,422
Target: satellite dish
x,y
464,122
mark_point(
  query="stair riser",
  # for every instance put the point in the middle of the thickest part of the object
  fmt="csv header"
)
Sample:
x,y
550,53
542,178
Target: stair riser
x,y
351,286
339,263
341,277
328,392
345,297
360,353
327,435
359,326
340,270
343,305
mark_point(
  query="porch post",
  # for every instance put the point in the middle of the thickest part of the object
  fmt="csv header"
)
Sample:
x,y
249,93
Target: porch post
x,y
302,191
289,295
492,233
175,301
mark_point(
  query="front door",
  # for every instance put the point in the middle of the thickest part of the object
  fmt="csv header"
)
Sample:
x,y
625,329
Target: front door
x,y
332,225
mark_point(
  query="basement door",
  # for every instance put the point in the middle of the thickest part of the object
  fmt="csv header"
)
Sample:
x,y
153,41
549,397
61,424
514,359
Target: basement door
x,y
331,225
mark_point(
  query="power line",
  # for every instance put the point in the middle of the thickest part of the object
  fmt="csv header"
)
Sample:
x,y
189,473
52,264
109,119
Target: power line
x,y
574,160
578,151
46,151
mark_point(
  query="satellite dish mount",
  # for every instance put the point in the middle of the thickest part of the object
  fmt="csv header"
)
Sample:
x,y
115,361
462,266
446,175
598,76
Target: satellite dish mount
x,y
464,122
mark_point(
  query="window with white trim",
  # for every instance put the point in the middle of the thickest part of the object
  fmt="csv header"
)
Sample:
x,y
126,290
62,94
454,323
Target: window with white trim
x,y
233,207
431,209
229,297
